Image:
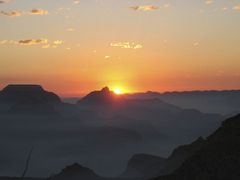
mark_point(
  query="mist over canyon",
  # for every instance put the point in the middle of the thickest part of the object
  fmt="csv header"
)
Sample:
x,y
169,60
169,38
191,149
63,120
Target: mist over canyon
x,y
101,131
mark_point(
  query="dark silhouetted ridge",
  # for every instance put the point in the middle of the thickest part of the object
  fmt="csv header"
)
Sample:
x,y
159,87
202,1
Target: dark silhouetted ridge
x,y
217,159
22,88
28,99
138,164
180,155
104,96
144,165
76,172
20,93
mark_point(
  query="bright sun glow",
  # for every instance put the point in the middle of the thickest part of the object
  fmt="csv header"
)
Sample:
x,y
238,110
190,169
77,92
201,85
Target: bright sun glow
x,y
117,91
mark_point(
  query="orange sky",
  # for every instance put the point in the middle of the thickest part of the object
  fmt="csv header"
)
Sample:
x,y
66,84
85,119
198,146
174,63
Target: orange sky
x,y
73,47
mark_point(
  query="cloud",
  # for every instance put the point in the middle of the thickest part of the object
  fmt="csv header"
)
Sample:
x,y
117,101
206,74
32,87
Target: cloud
x,y
33,41
44,43
21,13
126,45
237,8
58,42
38,11
144,8
3,42
24,42
11,13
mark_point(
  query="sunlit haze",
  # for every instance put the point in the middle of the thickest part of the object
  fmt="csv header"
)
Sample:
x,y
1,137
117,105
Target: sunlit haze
x,y
117,91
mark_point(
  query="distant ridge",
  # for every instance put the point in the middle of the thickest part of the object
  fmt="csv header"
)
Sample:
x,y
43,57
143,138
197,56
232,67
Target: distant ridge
x,y
104,96
75,172
22,87
27,92
208,101
139,164
28,99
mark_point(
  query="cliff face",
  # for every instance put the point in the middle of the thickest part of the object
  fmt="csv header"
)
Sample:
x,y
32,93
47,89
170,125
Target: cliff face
x,y
217,159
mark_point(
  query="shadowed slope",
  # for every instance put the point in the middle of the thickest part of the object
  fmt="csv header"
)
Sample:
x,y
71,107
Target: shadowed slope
x,y
218,159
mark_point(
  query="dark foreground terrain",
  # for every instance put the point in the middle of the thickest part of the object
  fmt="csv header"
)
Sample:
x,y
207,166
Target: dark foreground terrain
x,y
216,158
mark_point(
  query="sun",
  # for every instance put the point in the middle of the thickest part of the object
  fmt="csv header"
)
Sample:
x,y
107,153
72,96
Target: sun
x,y
117,91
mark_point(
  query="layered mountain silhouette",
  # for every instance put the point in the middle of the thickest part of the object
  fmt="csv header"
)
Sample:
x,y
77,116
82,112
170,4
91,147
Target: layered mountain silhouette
x,y
101,131
75,172
139,166
25,93
28,99
153,118
102,97
78,172
212,101
217,159
178,156
148,166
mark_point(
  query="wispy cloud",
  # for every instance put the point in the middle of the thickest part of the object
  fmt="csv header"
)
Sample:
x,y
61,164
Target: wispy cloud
x,y
32,41
127,45
58,42
11,13
44,43
38,11
21,13
144,8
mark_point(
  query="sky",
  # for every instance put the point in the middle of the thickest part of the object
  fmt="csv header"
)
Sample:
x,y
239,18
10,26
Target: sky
x,y
72,47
